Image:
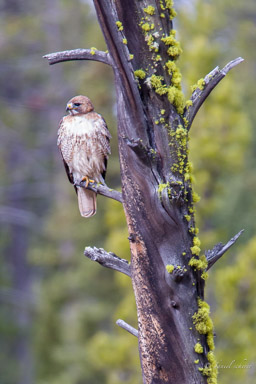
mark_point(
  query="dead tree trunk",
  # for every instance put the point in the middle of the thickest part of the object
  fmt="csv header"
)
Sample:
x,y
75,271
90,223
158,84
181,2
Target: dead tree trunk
x,y
175,331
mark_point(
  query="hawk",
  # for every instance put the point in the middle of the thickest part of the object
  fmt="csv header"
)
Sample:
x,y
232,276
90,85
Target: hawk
x,y
83,140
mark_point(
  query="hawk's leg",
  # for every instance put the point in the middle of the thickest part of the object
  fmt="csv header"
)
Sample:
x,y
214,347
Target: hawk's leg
x,y
87,181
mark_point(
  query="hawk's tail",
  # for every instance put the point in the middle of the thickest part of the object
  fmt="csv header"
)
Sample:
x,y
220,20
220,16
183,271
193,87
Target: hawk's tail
x,y
86,202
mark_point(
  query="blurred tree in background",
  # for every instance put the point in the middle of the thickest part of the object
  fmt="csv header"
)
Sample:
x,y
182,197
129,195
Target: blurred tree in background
x,y
58,310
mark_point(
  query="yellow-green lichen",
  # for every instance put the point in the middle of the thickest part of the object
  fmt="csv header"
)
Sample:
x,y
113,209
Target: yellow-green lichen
x,y
131,57
194,230
156,83
198,348
174,71
162,111
189,103
161,187
200,85
169,6
153,45
204,326
186,122
92,51
210,369
146,27
196,361
140,74
176,97
201,318
173,91
125,41
204,275
174,49
199,264
119,25
150,10
210,341
169,268
188,174
187,217
195,250
195,197
180,137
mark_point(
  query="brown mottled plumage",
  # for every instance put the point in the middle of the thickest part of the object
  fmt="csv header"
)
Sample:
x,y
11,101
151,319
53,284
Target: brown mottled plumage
x,y
83,140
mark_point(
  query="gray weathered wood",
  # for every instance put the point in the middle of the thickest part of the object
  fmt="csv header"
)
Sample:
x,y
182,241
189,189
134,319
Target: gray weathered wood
x,y
108,259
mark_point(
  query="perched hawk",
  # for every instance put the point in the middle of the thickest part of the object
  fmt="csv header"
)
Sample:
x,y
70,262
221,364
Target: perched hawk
x,y
83,140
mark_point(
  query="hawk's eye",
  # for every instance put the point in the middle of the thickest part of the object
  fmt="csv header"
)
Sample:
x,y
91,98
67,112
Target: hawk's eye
x,y
77,104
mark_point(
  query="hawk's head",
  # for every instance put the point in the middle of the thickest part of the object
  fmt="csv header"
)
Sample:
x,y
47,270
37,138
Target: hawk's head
x,y
79,104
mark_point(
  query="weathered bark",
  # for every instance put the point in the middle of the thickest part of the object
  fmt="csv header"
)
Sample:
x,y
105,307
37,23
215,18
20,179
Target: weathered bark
x,y
156,189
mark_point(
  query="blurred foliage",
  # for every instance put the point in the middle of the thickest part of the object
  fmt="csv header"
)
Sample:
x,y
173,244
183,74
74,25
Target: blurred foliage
x,y
58,309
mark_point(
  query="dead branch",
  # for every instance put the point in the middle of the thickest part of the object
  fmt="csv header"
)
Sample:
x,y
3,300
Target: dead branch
x,y
104,190
79,54
210,82
127,327
108,260
219,250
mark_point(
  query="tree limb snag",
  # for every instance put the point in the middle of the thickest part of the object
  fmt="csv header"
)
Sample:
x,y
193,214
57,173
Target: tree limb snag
x,y
127,327
219,250
211,81
79,54
108,260
103,190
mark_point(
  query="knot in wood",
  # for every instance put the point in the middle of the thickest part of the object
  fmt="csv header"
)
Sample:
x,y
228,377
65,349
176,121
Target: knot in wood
x,y
132,237
174,304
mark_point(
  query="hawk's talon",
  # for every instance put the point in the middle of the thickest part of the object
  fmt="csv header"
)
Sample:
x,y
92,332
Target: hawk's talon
x,y
87,181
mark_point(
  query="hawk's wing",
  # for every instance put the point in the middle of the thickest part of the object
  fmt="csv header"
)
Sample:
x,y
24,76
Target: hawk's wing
x,y
69,174
104,138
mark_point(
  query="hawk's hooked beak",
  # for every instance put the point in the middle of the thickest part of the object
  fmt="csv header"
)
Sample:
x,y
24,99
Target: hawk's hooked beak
x,y
69,107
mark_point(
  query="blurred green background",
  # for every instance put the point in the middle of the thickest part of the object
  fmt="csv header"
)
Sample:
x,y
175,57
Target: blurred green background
x,y
57,308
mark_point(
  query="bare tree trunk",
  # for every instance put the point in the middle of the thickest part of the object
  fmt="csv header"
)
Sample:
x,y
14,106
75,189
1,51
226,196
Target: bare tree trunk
x,y
159,233
175,331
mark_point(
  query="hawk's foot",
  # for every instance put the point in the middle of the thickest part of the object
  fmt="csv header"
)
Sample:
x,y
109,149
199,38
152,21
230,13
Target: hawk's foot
x,y
87,181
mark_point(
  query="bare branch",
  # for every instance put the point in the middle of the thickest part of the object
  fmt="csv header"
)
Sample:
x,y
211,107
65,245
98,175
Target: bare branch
x,y
104,190
127,327
108,260
219,250
210,82
79,54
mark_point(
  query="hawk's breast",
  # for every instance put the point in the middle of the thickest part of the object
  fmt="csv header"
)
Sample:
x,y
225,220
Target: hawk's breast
x,y
82,146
